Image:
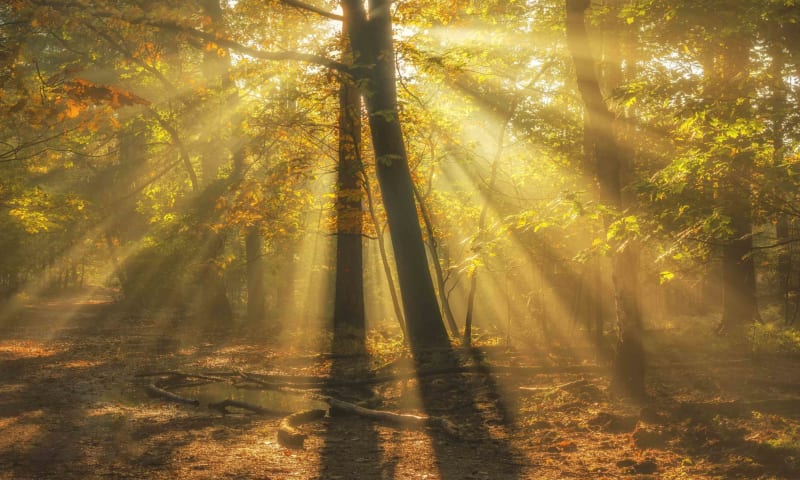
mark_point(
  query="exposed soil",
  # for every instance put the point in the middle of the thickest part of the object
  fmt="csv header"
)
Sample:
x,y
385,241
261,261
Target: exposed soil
x,y
73,404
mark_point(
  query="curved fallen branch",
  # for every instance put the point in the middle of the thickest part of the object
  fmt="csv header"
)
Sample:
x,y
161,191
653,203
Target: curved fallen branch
x,y
288,435
177,374
155,391
278,381
398,419
274,381
554,388
223,406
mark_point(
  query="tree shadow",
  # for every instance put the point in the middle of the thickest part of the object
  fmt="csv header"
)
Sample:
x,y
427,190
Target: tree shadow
x,y
486,423
351,448
717,433
65,411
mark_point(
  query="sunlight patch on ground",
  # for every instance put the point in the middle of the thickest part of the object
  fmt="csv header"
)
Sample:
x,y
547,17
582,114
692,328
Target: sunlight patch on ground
x,y
107,409
9,388
11,350
187,351
80,364
20,431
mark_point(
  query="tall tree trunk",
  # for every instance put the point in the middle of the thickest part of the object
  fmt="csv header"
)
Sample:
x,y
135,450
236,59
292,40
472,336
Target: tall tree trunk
x,y
348,313
629,359
739,306
387,269
473,283
778,115
373,49
441,287
256,294
213,302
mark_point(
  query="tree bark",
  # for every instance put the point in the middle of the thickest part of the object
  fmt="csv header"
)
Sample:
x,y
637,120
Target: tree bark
x,y
778,115
213,302
437,268
387,269
473,282
628,374
348,317
739,305
256,295
372,40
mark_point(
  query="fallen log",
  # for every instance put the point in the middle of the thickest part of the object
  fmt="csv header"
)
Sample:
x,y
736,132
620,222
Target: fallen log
x,y
277,381
398,419
155,391
288,435
222,407
554,388
177,374
273,381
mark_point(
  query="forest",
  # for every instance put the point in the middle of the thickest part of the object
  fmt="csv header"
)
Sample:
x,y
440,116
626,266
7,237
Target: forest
x,y
409,239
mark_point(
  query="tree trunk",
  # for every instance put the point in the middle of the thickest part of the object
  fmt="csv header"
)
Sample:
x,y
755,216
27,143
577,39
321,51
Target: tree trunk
x,y
373,50
778,115
628,373
441,287
348,316
387,269
739,306
256,295
473,283
213,302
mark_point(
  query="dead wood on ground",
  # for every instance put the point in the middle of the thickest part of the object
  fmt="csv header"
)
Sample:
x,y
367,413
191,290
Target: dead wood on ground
x,y
223,406
155,391
288,435
554,388
390,418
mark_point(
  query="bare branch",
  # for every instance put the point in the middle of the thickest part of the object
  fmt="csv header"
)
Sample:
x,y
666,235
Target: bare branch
x,y
222,41
311,8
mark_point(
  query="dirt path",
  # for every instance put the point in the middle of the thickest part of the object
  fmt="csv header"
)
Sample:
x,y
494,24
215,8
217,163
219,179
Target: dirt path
x,y
72,406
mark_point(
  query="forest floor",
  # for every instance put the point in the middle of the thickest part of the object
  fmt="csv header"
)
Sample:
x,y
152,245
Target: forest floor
x,y
74,404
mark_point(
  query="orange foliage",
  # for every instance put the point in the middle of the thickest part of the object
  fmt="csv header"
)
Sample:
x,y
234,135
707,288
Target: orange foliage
x,y
89,92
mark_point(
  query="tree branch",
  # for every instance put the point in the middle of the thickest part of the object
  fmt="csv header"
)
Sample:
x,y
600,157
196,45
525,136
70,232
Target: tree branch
x,y
227,42
311,8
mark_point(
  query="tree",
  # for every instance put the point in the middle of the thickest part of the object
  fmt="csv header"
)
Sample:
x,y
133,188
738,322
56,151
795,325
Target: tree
x,y
629,367
373,52
348,313
739,305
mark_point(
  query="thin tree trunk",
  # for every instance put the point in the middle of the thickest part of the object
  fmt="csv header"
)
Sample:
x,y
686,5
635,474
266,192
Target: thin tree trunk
x,y
782,220
256,295
739,305
372,40
473,283
387,269
437,267
213,299
629,360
